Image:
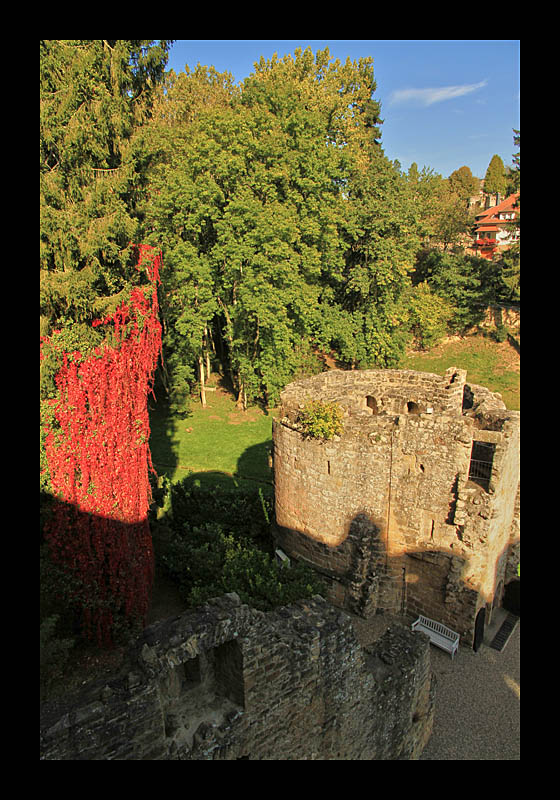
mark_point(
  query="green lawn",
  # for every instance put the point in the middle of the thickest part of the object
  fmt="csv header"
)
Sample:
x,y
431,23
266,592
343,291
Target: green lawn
x,y
218,439
487,362
220,444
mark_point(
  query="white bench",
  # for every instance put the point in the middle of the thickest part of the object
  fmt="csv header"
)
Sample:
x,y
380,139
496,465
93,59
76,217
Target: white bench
x,y
439,635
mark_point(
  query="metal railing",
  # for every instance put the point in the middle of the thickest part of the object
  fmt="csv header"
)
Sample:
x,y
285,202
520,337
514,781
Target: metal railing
x,y
480,472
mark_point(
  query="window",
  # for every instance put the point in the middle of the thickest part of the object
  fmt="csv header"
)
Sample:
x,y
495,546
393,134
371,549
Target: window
x,y
468,398
228,672
205,688
412,408
191,676
371,403
480,469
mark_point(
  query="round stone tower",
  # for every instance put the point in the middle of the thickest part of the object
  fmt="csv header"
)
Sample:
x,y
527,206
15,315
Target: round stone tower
x,y
396,513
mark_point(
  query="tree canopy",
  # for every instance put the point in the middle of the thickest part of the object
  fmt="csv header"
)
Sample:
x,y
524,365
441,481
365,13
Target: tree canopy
x,y
95,95
495,179
284,226
286,232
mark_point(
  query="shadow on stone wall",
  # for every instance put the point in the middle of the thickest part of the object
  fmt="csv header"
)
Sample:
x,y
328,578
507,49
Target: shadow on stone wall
x,y
363,579
225,682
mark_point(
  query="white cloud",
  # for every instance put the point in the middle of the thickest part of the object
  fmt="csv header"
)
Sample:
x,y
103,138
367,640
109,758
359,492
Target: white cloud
x,y
428,97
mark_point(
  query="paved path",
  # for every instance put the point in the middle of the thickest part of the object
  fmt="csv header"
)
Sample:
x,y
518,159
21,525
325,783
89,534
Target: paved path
x,y
477,716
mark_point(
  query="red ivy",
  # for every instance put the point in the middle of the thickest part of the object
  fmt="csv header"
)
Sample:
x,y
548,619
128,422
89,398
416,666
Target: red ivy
x,y
99,460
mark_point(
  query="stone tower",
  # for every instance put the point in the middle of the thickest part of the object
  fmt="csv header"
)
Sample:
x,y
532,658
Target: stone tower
x,y
413,506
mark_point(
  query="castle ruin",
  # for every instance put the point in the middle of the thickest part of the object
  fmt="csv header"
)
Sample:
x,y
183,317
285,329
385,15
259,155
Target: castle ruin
x,y
414,506
225,682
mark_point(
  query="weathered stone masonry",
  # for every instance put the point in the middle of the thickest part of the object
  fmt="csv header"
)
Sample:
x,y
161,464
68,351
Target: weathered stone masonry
x,y
226,682
414,505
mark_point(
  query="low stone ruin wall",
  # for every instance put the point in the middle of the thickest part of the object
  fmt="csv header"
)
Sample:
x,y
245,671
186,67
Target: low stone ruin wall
x,y
226,682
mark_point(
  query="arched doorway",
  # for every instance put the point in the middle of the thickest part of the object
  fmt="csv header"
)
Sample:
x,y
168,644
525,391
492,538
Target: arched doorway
x,y
479,629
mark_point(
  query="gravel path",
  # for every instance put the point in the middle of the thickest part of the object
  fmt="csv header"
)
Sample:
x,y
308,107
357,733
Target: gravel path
x,y
477,716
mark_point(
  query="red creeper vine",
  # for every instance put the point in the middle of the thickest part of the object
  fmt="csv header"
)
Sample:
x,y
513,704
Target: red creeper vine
x,y
97,449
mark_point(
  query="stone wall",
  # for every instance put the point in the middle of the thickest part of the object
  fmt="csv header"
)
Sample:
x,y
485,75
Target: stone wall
x,y
226,682
389,511
502,315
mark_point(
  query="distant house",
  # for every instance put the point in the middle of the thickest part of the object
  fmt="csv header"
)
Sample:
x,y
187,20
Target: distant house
x,y
493,231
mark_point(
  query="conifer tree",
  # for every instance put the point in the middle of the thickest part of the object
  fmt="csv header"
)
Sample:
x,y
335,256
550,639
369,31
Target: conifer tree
x,y
495,179
94,97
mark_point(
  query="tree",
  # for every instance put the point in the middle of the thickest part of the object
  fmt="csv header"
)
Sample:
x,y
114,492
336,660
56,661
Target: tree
x,y
380,235
285,228
495,179
453,220
429,316
511,258
94,97
463,183
248,198
511,274
469,283
514,175
427,188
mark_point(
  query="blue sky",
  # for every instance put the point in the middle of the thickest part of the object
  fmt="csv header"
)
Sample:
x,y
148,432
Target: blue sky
x,y
445,103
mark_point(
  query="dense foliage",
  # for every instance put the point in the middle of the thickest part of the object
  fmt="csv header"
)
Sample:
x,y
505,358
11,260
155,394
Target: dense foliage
x,y
95,97
284,227
286,234
469,284
285,230
320,420
495,179
97,458
219,540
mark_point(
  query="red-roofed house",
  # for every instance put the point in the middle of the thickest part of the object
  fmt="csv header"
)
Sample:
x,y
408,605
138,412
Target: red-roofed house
x,y
493,231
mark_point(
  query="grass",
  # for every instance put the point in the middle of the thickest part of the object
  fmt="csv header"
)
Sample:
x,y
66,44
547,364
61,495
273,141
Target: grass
x,y
488,363
218,443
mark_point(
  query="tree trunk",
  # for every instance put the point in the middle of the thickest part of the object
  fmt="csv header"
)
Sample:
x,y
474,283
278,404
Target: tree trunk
x,y
202,387
241,402
207,346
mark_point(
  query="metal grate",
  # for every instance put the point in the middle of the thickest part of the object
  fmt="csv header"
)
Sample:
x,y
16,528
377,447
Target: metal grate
x,y
480,468
502,637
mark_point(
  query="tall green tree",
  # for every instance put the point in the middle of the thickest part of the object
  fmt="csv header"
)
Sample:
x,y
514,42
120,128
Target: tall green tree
x,y
511,259
285,228
94,97
453,220
427,189
495,179
514,176
381,237
463,183
469,283
248,200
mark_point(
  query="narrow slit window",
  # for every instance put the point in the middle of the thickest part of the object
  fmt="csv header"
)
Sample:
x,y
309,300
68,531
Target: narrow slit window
x,y
371,403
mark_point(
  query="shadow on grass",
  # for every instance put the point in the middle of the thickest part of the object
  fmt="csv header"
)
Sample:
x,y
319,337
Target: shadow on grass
x,y
253,464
